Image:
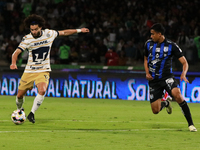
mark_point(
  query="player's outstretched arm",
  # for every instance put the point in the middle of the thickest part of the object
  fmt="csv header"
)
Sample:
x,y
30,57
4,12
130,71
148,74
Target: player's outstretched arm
x,y
73,31
14,59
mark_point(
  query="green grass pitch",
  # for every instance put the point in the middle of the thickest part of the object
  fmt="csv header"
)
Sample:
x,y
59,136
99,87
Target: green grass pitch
x,y
97,124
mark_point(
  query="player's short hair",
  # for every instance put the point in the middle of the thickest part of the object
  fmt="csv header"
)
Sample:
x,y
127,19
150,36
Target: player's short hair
x,y
34,20
158,28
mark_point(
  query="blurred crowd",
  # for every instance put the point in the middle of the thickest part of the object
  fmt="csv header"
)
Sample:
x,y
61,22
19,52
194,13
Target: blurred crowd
x,y
118,29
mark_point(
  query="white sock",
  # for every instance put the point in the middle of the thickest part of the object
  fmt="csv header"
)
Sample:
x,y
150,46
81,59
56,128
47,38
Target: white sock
x,y
19,102
37,102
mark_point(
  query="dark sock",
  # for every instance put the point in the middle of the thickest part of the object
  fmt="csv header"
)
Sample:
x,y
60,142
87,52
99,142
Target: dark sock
x,y
164,104
186,112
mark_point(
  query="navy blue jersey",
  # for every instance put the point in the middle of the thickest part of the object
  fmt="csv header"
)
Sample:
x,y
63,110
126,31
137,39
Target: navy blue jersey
x,y
160,57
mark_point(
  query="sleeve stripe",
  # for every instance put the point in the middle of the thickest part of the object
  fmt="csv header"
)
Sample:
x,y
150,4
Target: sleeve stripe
x,y
20,49
57,33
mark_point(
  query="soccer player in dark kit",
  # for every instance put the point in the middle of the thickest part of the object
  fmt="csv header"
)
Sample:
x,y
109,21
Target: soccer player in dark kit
x,y
158,54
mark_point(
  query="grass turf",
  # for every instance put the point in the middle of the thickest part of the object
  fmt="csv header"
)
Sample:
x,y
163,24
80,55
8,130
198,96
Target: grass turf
x,y
88,124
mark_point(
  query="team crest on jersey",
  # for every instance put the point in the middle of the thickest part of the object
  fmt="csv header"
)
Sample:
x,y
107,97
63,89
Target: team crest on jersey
x,y
165,49
23,39
48,35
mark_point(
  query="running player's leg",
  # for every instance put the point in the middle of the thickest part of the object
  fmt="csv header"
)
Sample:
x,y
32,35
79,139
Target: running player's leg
x,y
20,98
42,87
41,82
156,106
26,83
173,90
176,93
166,102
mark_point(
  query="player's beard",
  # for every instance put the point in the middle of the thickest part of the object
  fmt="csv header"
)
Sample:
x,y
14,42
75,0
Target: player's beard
x,y
37,34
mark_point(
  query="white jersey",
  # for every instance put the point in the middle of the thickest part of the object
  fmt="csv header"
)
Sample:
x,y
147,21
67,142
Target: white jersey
x,y
39,50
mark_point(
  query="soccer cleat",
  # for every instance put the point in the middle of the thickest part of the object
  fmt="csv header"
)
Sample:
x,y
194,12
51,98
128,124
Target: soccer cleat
x,y
31,117
169,107
192,128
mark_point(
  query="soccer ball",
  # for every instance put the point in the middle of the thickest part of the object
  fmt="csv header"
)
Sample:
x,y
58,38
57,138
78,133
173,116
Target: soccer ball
x,y
18,117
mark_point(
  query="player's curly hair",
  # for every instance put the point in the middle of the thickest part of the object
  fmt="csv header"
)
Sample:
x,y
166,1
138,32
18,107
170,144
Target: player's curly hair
x,y
34,20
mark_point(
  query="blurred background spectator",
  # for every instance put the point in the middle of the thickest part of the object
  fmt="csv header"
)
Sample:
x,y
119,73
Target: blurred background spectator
x,y
64,51
123,25
112,58
122,61
95,56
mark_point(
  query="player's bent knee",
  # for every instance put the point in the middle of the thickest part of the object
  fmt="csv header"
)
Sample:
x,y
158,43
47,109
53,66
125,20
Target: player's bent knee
x,y
42,92
20,97
155,111
21,94
179,98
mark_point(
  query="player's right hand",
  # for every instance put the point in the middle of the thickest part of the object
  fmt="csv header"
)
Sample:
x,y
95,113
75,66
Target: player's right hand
x,y
13,66
149,77
84,30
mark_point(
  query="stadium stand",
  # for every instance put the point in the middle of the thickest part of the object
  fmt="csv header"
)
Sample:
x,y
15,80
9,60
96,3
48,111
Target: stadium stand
x,y
123,25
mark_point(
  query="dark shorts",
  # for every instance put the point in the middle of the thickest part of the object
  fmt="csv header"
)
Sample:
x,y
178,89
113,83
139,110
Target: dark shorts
x,y
156,88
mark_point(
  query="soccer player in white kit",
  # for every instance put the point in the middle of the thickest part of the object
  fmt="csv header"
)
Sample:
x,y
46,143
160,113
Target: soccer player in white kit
x,y
38,44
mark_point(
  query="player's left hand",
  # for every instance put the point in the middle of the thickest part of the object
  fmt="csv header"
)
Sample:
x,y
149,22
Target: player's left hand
x,y
183,77
84,30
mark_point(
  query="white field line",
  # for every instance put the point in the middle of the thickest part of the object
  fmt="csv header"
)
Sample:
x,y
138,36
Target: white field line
x,y
125,121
